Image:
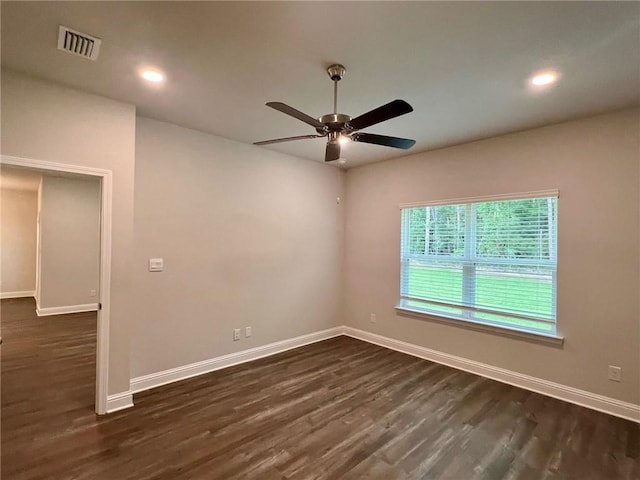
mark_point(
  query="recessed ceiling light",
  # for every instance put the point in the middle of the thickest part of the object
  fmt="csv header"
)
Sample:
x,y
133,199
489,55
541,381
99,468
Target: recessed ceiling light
x,y
546,77
152,76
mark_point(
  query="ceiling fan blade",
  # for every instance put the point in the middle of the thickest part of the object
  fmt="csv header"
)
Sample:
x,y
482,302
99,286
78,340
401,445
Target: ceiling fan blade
x,y
281,107
395,142
286,139
332,152
385,112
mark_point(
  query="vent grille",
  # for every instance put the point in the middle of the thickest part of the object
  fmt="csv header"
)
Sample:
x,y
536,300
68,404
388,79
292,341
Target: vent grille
x,y
78,43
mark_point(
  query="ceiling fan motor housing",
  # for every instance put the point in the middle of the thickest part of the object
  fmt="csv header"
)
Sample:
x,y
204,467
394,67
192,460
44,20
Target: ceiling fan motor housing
x,y
334,122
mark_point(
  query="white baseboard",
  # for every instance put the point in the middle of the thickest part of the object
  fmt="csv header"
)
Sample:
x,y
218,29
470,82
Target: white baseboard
x,y
583,398
43,312
119,401
153,380
23,294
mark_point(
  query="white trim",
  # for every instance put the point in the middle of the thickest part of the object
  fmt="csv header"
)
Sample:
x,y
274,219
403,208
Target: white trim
x,y
119,401
23,294
45,312
504,330
102,341
38,243
146,382
53,166
583,398
104,295
484,198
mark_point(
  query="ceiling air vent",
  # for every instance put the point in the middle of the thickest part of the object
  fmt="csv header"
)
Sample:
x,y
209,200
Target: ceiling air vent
x,y
78,43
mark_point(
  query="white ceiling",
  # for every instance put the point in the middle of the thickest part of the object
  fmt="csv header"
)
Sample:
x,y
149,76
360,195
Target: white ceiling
x,y
463,66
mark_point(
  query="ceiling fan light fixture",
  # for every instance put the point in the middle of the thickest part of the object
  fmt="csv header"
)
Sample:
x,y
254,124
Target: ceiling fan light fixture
x,y
338,138
343,139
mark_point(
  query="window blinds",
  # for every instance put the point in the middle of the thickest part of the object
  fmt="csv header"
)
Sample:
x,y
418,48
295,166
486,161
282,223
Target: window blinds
x,y
491,262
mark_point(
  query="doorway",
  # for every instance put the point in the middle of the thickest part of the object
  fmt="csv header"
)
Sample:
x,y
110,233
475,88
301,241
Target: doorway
x,y
104,287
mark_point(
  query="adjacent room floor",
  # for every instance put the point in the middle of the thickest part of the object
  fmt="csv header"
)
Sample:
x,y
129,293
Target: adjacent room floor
x,y
338,409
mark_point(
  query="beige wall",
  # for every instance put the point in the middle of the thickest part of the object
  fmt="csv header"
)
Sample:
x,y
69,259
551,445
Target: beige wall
x,y
18,217
69,242
595,164
249,237
44,121
253,237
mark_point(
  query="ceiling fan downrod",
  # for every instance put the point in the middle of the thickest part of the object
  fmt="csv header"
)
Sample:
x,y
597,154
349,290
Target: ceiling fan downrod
x,y
336,72
334,122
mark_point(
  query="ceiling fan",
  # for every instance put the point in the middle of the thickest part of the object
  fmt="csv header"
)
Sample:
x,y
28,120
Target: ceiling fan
x,y
339,128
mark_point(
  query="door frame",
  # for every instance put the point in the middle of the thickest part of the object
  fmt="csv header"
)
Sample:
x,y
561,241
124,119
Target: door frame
x,y
104,287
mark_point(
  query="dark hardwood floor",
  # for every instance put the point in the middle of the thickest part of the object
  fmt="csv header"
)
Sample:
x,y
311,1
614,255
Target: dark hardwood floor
x,y
338,409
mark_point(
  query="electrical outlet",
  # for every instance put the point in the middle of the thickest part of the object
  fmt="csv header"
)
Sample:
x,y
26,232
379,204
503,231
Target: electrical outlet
x,y
372,318
236,334
615,373
247,332
92,293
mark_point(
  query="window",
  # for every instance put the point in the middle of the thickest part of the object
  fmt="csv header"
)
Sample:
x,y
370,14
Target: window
x,y
489,262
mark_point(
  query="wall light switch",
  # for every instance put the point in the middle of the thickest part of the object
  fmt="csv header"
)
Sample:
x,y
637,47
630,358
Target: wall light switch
x,y
156,264
615,373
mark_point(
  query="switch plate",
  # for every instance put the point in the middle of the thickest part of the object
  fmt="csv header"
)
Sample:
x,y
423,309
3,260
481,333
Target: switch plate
x,y
156,264
373,318
92,293
236,334
615,373
247,332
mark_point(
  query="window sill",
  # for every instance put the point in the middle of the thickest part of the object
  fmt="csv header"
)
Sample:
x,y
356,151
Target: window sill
x,y
548,339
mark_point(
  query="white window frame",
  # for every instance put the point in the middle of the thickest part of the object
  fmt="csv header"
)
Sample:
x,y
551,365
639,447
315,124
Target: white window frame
x,y
469,262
